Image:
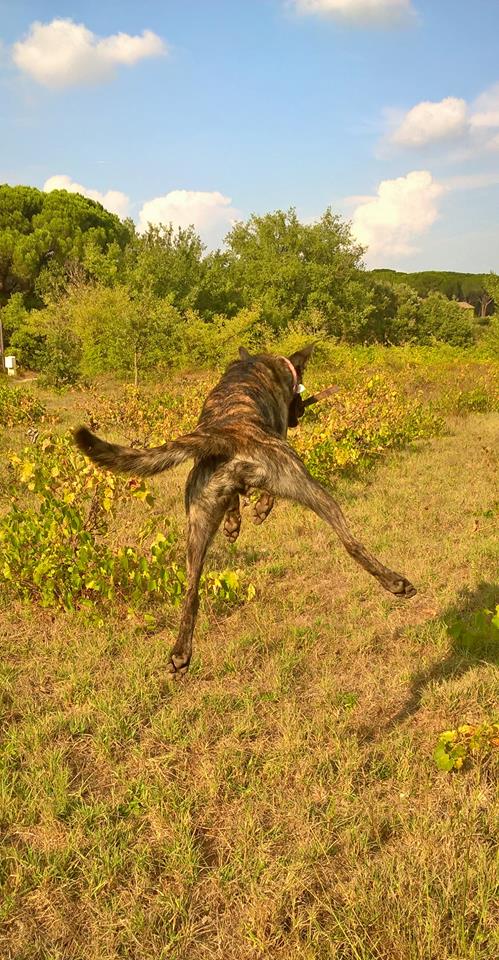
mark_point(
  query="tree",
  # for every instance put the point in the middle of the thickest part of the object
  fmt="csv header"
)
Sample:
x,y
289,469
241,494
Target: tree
x,y
289,267
13,315
166,262
469,287
119,332
219,291
492,281
442,319
43,235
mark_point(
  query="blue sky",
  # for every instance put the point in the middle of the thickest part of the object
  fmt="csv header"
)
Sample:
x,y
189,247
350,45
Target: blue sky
x,y
387,110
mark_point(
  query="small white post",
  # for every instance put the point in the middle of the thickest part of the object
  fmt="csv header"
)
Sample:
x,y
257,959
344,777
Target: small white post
x,y
10,366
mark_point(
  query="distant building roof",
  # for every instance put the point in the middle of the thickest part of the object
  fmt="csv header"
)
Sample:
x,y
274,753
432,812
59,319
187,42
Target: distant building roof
x,y
464,305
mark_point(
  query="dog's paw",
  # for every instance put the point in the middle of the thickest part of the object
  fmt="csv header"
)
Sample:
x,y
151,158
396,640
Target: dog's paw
x,y
262,508
401,587
177,667
232,525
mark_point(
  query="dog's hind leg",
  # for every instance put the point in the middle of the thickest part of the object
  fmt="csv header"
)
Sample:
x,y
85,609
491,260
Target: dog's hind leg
x,y
259,513
232,520
205,505
278,469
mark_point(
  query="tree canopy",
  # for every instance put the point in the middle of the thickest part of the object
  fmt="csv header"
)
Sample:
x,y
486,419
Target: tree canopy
x,y
45,237
472,288
78,283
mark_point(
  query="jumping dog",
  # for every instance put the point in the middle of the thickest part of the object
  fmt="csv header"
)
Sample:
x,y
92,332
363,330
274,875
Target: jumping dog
x,y
239,444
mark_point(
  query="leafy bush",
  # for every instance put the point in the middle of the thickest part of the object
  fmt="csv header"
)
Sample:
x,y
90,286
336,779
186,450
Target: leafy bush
x,y
61,358
14,315
121,332
477,400
145,417
28,345
53,550
18,406
443,319
488,344
360,425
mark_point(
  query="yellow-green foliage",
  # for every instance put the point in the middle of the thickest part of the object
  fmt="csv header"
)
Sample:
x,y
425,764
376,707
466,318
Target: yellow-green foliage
x,y
468,742
18,406
52,538
149,417
440,371
389,397
357,426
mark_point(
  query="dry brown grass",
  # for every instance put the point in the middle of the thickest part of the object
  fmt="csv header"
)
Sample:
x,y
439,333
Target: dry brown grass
x,y
282,802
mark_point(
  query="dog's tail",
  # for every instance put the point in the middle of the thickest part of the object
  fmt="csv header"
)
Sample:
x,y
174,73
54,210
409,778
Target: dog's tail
x,y
145,463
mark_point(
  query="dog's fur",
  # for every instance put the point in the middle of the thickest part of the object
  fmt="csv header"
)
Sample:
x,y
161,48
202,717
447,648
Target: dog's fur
x,y
238,444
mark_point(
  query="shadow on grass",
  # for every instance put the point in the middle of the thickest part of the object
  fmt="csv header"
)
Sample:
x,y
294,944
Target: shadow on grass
x,y
474,639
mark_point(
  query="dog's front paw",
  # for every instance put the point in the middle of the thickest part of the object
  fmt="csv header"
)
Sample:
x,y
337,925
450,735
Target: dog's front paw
x,y
401,587
177,667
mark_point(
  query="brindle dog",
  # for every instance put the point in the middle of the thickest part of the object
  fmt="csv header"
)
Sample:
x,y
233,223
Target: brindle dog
x,y
238,445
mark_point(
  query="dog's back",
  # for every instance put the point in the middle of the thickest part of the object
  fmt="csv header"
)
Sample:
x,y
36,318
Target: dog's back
x,y
250,401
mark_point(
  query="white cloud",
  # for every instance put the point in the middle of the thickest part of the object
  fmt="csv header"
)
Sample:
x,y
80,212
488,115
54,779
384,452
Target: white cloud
x,y
64,53
210,213
112,200
493,144
362,12
428,122
486,108
402,210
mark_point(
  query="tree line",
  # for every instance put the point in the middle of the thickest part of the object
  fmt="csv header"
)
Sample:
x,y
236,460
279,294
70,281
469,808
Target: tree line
x,y
472,288
83,293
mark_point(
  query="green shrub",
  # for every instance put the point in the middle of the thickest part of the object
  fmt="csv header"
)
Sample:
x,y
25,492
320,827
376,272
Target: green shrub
x,y
62,356
355,427
14,315
477,400
443,319
148,418
53,539
28,345
18,406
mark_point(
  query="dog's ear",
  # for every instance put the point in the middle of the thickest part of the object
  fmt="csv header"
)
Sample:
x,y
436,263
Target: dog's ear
x,y
243,353
300,358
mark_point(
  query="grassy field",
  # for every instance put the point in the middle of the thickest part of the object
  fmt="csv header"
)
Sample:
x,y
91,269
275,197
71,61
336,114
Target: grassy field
x,y
282,801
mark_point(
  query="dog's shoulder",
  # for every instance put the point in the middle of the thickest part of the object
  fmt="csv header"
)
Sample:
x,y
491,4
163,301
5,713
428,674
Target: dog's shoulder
x,y
253,390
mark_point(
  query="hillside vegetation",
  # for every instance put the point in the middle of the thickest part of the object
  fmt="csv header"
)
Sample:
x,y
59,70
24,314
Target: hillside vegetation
x,y
84,294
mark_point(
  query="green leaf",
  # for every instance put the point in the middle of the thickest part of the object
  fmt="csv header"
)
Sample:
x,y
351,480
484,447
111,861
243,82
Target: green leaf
x,y
442,758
